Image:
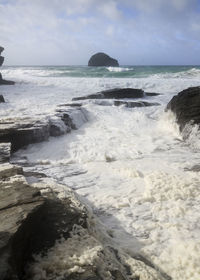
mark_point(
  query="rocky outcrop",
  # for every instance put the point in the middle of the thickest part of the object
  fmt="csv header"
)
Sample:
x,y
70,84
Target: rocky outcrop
x,y
21,132
2,100
186,107
5,82
117,93
102,59
52,233
2,81
1,57
30,222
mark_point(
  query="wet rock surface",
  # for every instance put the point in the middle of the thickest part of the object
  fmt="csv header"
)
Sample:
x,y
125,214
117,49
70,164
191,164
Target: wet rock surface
x,y
23,131
41,229
186,106
2,99
117,93
102,59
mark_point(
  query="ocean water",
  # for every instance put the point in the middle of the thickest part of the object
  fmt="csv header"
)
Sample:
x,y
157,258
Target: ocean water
x,y
130,165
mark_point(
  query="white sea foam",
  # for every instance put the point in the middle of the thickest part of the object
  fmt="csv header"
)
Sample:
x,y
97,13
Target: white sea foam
x,y
119,69
189,74
127,163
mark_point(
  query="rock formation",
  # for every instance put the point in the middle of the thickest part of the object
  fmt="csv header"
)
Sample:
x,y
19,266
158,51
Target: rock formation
x,y
2,81
102,59
186,107
1,57
116,93
2,100
35,227
23,131
46,220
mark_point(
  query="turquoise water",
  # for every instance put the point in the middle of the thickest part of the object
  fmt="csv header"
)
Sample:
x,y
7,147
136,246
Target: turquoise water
x,y
110,72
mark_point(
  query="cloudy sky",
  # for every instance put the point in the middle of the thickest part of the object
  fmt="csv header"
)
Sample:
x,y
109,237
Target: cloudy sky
x,y
66,32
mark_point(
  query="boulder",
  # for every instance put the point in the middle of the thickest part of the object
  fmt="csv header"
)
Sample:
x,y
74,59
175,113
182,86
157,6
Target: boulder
x,y
186,107
116,93
102,59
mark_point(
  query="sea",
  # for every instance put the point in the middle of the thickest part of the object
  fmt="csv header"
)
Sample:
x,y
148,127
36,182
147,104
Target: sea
x,y
131,166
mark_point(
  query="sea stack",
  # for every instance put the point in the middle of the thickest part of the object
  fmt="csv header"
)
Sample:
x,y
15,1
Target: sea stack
x,y
2,81
102,59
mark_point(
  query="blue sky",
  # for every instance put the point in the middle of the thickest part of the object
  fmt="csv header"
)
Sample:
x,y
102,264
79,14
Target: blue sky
x,y
68,32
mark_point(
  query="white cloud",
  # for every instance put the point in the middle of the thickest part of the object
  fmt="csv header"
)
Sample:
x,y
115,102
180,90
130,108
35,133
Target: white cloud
x,y
60,31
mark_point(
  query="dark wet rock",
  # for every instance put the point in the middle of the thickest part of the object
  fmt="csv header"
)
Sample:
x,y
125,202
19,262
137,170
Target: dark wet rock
x,y
21,132
1,50
1,57
70,105
29,222
1,60
152,94
134,104
102,59
5,149
186,107
2,81
2,100
117,93
5,82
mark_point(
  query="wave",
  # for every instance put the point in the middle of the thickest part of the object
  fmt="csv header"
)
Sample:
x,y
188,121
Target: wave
x,y
119,69
188,74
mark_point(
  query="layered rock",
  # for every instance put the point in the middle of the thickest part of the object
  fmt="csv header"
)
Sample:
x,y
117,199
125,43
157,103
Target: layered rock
x,y
186,107
42,233
102,59
21,132
117,93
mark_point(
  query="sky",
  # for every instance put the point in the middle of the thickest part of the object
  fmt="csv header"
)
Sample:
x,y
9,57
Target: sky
x,y
68,32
